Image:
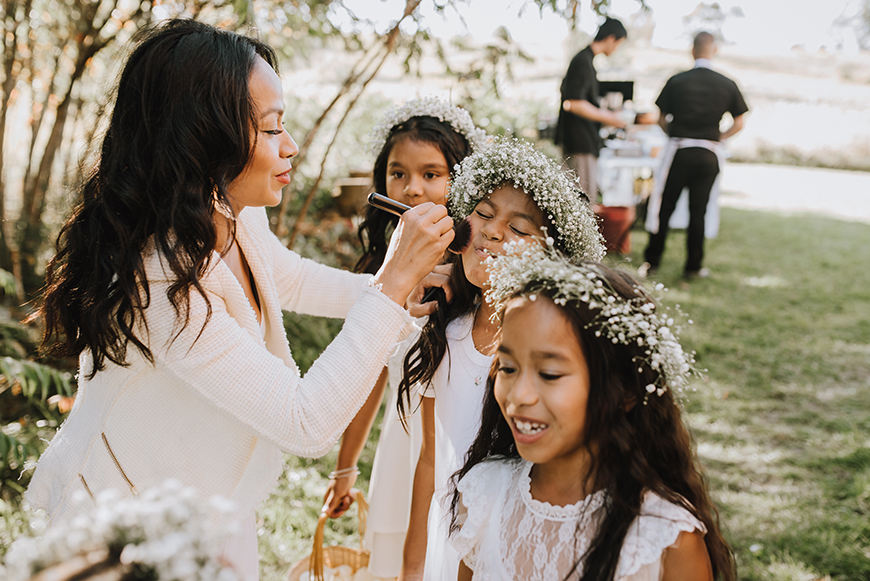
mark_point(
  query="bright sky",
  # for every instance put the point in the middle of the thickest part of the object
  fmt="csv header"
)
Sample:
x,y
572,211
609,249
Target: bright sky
x,y
766,27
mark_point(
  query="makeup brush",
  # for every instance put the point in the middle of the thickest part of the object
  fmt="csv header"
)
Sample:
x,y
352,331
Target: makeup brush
x,y
461,229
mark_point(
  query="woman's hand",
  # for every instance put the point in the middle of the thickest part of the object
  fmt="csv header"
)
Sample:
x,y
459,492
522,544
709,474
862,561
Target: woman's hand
x,y
421,238
439,277
339,495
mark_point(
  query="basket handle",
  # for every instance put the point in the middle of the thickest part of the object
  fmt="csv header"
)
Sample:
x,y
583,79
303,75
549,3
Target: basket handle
x,y
315,566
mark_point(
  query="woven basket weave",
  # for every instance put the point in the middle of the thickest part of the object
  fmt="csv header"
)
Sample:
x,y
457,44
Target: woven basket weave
x,y
334,556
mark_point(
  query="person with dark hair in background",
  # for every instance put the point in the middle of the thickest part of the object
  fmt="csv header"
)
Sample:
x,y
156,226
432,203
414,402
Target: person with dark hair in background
x,y
692,104
580,117
169,287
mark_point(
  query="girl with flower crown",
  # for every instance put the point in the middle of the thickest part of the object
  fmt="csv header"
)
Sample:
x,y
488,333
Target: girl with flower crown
x,y
582,468
508,191
416,145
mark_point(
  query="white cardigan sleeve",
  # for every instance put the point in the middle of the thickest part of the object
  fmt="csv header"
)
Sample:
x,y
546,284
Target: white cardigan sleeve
x,y
305,286
228,367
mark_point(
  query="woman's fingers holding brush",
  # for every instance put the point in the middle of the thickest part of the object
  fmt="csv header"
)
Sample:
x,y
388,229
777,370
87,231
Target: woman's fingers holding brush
x,y
418,305
421,238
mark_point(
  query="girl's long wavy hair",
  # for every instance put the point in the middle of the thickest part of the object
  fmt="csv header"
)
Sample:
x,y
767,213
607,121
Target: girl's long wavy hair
x,y
634,446
377,225
179,133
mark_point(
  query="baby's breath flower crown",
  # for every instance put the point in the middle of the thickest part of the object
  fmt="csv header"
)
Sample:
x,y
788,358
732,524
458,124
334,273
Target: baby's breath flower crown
x,y
527,269
554,191
458,118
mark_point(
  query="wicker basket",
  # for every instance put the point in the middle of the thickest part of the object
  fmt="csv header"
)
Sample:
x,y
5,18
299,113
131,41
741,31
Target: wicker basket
x,y
334,556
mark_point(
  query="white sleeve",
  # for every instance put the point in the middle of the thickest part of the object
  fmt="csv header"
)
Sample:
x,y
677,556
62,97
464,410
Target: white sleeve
x,y
656,528
229,368
304,286
479,491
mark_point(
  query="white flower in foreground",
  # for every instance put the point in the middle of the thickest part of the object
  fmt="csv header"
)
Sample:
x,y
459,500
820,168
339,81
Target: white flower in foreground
x,y
168,531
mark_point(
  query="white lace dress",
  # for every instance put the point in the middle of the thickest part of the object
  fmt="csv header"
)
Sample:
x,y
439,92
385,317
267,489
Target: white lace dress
x,y
506,534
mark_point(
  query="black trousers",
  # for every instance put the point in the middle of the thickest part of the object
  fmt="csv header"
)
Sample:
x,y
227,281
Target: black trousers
x,y
695,168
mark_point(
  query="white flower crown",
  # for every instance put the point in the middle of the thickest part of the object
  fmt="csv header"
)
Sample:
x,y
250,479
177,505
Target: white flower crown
x,y
526,269
166,533
458,118
554,192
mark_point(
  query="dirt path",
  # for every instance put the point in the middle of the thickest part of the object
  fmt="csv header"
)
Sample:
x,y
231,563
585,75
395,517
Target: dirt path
x,y
789,189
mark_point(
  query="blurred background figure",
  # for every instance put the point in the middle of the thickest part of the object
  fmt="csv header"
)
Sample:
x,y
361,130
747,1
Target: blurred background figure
x,y
692,105
581,117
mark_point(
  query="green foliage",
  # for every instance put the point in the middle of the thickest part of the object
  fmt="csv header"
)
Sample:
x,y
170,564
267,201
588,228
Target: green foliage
x,y
29,396
309,336
36,382
29,392
7,282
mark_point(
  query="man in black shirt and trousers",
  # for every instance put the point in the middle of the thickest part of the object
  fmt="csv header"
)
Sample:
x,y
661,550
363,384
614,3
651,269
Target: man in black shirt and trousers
x,y
692,104
580,117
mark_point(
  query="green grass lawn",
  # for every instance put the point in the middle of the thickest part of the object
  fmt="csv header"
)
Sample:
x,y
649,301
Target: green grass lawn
x,y
782,420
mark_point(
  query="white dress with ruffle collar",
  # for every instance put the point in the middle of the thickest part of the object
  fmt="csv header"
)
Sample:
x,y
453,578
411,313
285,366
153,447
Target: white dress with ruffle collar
x,y
506,534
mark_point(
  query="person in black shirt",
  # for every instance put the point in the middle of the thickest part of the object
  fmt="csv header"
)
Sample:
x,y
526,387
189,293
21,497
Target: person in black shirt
x,y
692,104
580,117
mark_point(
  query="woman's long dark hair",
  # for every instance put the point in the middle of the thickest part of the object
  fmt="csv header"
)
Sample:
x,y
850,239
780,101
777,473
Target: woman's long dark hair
x,y
377,225
634,446
179,133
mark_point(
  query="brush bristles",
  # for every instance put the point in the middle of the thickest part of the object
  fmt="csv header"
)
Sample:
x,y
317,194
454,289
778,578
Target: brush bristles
x,y
461,237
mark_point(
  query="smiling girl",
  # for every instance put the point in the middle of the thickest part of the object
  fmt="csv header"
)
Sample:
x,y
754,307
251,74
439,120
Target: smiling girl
x,y
582,468
509,191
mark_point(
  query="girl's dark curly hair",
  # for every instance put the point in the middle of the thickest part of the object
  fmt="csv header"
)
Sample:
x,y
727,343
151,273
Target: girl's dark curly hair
x,y
179,133
377,225
634,447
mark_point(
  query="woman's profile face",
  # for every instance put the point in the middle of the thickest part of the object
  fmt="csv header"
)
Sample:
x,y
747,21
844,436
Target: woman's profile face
x,y
267,172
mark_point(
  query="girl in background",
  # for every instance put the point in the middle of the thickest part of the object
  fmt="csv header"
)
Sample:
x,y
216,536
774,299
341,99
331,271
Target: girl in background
x,y
416,146
509,191
582,468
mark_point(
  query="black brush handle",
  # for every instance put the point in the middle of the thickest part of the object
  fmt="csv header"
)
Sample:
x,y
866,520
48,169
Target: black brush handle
x,y
386,204
434,293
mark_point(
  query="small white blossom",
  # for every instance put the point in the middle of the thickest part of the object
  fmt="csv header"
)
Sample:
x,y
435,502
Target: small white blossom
x,y
166,531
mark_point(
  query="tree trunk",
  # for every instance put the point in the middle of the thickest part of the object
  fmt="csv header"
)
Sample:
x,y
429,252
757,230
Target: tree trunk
x,y
31,228
10,57
303,211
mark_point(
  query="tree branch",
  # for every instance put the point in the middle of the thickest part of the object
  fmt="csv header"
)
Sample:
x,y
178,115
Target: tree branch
x,y
389,44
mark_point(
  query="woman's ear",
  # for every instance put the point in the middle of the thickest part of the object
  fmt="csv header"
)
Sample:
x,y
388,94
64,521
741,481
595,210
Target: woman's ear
x,y
629,402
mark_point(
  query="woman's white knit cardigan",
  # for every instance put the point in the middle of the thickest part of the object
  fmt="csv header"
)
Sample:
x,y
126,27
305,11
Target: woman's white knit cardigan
x,y
215,409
